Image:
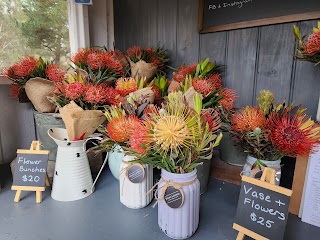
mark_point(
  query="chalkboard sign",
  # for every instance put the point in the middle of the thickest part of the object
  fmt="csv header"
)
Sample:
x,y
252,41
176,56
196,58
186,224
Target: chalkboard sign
x,y
262,209
136,173
220,15
173,197
30,169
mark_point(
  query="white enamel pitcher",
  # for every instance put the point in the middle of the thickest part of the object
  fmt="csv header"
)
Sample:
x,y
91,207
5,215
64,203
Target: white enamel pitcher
x,y
72,178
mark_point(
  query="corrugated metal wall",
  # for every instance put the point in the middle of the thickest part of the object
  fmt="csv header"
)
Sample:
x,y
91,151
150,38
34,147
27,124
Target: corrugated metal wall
x,y
254,58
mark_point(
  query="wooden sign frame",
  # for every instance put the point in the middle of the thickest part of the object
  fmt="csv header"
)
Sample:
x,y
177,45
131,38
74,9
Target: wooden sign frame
x,y
266,181
252,23
34,149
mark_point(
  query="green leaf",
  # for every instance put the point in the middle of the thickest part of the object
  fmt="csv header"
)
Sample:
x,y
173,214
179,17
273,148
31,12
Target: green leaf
x,y
296,32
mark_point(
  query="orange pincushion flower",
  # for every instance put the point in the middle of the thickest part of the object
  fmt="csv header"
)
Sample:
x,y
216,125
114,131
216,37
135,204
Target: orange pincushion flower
x,y
247,119
95,94
140,138
183,71
111,63
134,51
14,92
126,85
215,80
202,86
120,129
74,90
212,118
81,56
94,59
55,72
229,98
25,66
156,91
292,135
313,43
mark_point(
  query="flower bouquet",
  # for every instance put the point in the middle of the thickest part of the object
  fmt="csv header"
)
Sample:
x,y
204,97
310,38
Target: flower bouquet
x,y
33,80
147,62
271,131
173,139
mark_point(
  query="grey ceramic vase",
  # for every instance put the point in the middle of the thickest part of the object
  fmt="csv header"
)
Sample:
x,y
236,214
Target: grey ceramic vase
x,y
203,174
44,122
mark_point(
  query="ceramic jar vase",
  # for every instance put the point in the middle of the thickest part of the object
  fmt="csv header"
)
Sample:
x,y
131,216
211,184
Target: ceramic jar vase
x,y
249,171
115,159
180,222
135,194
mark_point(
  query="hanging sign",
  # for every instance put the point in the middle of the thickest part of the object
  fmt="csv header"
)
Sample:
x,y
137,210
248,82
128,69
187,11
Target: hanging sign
x,y
136,173
89,2
173,197
31,171
262,208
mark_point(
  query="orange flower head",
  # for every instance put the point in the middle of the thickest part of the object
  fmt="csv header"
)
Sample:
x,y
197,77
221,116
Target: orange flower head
x,y
134,51
229,98
112,96
95,94
74,90
120,129
95,60
202,86
81,56
156,91
55,72
212,118
313,43
126,85
111,63
140,138
292,135
25,66
183,71
247,119
215,80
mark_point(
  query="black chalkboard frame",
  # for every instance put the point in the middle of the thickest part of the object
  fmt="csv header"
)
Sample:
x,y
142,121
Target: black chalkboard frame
x,y
252,23
244,231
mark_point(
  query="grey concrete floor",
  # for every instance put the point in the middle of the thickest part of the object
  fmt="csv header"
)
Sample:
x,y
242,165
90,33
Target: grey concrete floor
x,y
102,216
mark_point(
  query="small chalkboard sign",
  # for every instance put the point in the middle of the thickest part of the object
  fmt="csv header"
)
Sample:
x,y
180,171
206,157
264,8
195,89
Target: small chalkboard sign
x,y
220,15
173,197
136,173
31,171
262,209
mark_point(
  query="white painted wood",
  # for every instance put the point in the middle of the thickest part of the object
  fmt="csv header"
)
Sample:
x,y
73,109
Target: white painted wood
x,y
101,24
78,26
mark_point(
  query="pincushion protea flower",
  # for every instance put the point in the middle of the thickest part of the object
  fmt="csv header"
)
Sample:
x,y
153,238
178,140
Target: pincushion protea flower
x,y
134,52
55,72
247,119
157,92
126,85
112,96
139,139
313,43
121,128
229,98
211,118
14,91
215,80
95,94
292,135
74,90
81,56
25,66
183,71
203,86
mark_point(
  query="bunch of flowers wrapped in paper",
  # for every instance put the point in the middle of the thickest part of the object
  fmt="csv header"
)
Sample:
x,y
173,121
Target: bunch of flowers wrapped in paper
x,y
271,131
308,48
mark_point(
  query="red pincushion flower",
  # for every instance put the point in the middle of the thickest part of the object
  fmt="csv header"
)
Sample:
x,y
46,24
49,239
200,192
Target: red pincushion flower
x,y
112,96
212,118
247,119
150,52
25,66
81,56
55,72
150,110
113,64
229,98
183,71
126,85
139,138
95,94
313,43
215,80
74,90
120,129
202,86
94,59
156,61
292,135
8,72
134,51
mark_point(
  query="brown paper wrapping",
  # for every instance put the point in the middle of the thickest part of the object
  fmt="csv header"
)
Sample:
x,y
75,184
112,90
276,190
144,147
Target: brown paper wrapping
x,y
37,90
79,121
143,69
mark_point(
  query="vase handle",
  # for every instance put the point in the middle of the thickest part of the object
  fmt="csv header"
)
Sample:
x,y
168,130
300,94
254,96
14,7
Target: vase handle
x,y
92,137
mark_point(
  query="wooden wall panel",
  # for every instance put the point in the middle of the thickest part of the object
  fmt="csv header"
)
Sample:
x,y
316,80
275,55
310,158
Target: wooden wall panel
x,y
167,16
241,62
187,32
254,58
274,69
306,87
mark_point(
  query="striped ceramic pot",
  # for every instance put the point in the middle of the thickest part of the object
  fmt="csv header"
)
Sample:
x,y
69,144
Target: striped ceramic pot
x,y
178,219
135,182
